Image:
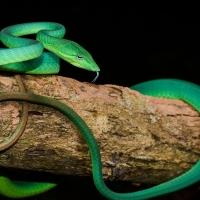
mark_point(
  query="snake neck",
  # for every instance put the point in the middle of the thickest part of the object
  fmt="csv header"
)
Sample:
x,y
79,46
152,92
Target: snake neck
x,y
50,41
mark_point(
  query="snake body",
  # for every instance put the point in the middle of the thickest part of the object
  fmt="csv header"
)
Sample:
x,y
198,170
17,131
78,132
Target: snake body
x,y
27,56
167,88
22,124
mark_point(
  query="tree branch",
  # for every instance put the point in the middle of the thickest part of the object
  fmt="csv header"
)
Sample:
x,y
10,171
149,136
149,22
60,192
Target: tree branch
x,y
142,139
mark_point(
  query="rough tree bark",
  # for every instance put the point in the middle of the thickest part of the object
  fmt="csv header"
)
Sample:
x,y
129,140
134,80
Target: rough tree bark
x,y
142,139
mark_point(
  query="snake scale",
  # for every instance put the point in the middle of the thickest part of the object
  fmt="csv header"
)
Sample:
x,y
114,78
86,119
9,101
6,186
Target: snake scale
x,y
27,56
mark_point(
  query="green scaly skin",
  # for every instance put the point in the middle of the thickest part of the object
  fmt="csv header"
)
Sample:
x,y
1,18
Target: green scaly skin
x,y
168,88
49,36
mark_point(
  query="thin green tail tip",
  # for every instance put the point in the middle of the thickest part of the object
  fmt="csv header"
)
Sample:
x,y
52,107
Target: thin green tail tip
x,y
21,189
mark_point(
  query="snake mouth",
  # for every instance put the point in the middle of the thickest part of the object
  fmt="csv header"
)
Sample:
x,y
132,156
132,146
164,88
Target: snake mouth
x,y
85,65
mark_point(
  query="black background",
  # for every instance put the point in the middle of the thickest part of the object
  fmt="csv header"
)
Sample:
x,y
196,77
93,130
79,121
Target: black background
x,y
131,43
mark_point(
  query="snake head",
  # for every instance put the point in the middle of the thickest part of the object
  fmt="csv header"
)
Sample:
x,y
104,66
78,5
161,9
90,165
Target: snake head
x,y
77,56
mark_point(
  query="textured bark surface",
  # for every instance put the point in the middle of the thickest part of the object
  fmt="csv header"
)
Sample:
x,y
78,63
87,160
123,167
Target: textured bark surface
x,y
142,139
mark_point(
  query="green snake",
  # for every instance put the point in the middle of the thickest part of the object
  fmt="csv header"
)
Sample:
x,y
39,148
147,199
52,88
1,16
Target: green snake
x,y
168,88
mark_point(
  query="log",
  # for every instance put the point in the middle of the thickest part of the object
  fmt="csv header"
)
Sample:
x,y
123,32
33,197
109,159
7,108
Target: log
x,y
141,139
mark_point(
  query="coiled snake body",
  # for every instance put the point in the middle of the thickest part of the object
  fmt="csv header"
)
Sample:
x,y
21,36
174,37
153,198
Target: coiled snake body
x,y
49,36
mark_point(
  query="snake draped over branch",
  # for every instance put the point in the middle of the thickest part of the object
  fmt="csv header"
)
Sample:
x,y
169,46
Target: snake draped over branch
x,y
27,56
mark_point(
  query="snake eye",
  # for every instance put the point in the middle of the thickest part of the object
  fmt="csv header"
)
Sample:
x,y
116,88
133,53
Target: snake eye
x,y
79,57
